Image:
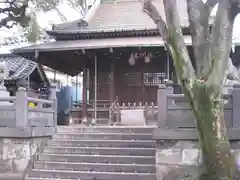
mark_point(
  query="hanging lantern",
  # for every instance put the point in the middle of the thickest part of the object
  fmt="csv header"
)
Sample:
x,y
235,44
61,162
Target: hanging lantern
x,y
147,58
132,60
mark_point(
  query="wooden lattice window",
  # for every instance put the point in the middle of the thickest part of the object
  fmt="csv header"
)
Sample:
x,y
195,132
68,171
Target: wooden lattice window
x,y
133,79
153,78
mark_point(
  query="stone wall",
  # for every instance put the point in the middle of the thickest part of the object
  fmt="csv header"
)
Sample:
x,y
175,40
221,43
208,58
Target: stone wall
x,y
178,155
16,154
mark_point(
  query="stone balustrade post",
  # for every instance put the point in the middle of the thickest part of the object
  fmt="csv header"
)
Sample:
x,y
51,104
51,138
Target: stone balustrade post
x,y
53,97
22,108
169,87
162,106
236,106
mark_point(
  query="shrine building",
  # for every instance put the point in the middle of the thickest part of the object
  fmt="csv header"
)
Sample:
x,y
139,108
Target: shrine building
x,y
118,48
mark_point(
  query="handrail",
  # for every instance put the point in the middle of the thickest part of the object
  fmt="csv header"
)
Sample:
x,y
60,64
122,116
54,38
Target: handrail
x,y
10,98
40,100
90,103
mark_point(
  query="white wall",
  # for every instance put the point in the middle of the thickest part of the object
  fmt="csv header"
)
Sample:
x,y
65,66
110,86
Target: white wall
x,y
63,78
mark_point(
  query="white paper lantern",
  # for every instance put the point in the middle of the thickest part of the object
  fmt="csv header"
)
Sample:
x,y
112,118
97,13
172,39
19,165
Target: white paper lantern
x,y
132,60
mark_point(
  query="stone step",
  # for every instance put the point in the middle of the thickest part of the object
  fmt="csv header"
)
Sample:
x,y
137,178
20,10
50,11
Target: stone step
x,y
98,158
95,167
84,175
102,143
104,136
106,129
100,150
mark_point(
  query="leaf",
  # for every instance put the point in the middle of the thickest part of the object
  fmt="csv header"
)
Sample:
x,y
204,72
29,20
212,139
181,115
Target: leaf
x,y
46,5
33,32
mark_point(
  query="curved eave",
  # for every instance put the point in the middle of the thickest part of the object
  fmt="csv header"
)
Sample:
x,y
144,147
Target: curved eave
x,y
98,34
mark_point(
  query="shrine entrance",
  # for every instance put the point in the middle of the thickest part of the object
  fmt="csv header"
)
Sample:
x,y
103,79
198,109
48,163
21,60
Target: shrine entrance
x,y
137,80
139,86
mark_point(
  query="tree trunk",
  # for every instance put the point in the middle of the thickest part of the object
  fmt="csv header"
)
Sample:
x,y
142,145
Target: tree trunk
x,y
216,153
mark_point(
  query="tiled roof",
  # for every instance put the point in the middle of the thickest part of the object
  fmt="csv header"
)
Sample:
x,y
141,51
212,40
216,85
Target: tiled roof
x,y
119,15
18,66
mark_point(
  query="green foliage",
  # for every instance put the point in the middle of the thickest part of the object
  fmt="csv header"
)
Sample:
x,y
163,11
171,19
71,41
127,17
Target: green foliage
x,y
33,31
14,12
24,12
46,5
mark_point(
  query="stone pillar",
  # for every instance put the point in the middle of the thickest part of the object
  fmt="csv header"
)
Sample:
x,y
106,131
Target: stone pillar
x,y
162,106
84,96
53,92
112,83
236,105
143,98
22,108
169,87
53,96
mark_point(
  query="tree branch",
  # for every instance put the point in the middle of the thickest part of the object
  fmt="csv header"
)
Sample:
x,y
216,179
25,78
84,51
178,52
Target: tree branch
x,y
211,4
199,25
152,11
172,35
14,14
221,45
175,43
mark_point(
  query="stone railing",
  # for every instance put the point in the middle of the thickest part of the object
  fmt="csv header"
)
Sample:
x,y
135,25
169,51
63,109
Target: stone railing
x,y
17,114
26,124
43,114
178,151
174,110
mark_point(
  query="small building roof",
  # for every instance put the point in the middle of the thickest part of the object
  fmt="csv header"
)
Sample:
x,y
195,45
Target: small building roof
x,y
20,68
118,15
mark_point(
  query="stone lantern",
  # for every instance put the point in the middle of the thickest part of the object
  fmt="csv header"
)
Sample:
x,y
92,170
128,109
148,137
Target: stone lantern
x,y
12,86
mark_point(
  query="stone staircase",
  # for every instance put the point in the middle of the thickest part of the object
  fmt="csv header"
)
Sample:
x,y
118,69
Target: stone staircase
x,y
97,153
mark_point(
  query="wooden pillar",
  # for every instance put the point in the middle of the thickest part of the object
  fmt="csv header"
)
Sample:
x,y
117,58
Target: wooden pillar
x,y
143,98
112,82
84,96
94,120
167,65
